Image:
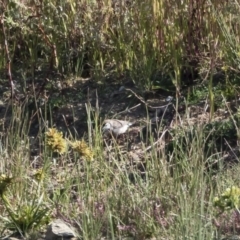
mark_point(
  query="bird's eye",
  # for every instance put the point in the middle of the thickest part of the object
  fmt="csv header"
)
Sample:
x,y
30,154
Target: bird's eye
x,y
105,126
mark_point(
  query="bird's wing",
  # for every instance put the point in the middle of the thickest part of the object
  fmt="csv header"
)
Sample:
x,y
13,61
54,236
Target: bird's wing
x,y
116,124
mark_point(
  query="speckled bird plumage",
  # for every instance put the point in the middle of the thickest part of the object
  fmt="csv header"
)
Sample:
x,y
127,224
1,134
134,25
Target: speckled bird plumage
x,y
115,126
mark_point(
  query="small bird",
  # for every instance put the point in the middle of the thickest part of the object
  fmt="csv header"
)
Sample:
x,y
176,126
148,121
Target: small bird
x,y
116,127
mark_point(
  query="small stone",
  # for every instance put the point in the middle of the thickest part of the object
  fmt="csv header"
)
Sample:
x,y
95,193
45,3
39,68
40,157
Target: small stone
x,y
233,237
59,229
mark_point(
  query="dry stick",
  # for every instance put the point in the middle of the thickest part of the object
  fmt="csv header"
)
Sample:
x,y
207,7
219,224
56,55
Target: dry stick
x,y
8,57
159,140
235,155
144,102
53,60
127,110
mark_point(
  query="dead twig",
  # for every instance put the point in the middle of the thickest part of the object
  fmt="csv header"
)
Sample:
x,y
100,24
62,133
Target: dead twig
x,y
151,108
127,110
159,140
9,72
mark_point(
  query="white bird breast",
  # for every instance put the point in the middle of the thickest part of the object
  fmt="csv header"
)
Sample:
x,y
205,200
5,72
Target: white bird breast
x,y
121,130
116,130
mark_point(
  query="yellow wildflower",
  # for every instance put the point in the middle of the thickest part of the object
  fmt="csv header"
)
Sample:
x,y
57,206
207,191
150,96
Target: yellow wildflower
x,y
229,199
39,174
82,148
5,181
225,68
55,141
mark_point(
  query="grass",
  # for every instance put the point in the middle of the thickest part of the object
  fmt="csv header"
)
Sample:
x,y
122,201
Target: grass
x,y
48,171
171,196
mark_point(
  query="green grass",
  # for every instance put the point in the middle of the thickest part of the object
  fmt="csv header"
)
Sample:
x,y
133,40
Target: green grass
x,y
172,197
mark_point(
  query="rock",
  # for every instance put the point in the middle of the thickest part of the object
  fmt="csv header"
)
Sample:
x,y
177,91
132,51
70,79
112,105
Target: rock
x,y
58,229
233,237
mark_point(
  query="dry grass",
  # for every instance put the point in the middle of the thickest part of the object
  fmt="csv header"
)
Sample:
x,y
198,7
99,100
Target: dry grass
x,y
132,187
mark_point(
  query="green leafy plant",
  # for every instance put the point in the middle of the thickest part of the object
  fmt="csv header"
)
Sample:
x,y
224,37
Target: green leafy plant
x,y
228,200
25,215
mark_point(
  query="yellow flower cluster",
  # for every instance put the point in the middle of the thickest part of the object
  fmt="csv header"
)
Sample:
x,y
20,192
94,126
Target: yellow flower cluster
x,y
39,174
229,199
55,141
82,148
5,181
